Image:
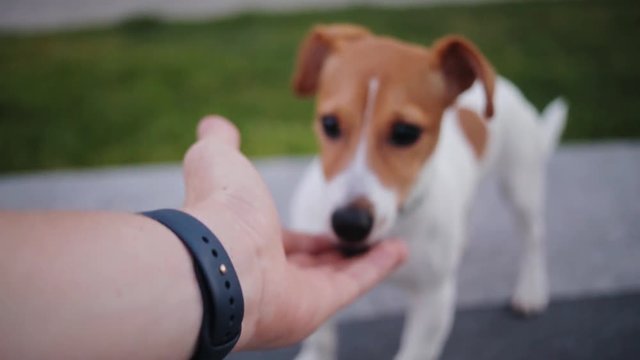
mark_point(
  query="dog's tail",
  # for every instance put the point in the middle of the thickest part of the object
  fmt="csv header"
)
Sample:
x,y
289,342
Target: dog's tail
x,y
553,120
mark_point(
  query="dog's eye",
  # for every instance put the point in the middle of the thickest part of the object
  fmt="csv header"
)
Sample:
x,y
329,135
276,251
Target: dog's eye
x,y
331,126
404,134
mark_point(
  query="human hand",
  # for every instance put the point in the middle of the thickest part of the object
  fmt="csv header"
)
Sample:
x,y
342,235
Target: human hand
x,y
291,283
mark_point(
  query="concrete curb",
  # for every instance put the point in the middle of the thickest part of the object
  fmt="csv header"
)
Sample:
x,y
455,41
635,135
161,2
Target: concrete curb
x,y
43,15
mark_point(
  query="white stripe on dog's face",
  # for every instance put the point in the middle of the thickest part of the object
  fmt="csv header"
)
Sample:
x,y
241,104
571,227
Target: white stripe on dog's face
x,y
358,182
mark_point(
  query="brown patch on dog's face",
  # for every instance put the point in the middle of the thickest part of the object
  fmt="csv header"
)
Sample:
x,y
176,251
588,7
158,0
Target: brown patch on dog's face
x,y
415,86
409,94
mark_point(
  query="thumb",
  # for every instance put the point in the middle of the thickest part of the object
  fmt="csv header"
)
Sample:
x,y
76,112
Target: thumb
x,y
218,127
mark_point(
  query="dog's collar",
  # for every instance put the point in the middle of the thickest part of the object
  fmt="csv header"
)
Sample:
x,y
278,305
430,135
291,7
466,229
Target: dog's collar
x,y
413,203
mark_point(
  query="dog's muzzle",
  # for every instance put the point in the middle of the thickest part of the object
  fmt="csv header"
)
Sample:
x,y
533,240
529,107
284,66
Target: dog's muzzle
x,y
352,225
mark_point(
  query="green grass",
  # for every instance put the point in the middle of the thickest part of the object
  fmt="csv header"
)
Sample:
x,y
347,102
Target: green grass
x,y
134,92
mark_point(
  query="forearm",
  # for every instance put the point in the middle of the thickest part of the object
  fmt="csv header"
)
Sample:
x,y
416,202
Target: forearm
x,y
94,285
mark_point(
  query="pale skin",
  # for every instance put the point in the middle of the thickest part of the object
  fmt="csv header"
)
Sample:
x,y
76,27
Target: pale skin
x,y
106,285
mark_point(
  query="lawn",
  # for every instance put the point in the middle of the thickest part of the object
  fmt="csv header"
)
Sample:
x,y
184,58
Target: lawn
x,y
133,93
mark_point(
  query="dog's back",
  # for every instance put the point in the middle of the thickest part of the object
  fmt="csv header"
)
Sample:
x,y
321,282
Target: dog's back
x,y
517,133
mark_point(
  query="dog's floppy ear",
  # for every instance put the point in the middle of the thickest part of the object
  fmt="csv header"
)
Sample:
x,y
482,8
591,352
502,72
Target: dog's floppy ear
x,y
461,63
314,50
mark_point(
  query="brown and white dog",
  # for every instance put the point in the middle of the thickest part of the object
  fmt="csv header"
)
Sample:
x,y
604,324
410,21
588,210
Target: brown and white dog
x,y
406,132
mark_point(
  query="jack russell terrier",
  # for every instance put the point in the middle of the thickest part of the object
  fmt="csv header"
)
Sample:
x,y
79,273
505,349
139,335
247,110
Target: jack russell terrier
x,y
406,133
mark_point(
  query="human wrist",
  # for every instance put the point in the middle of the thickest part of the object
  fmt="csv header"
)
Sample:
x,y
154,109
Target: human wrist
x,y
233,237
184,285
220,290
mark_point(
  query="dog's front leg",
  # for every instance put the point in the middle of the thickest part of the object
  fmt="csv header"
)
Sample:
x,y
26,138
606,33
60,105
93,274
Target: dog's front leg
x,y
321,345
428,322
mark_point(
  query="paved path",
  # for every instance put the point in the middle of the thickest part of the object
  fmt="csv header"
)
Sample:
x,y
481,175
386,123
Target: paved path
x,y
30,15
593,212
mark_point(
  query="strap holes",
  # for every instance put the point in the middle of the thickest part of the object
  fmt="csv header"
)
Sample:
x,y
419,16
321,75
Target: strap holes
x,y
232,318
205,239
232,300
227,284
214,253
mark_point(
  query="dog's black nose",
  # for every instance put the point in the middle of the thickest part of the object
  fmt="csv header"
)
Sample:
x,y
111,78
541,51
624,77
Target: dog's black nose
x,y
352,223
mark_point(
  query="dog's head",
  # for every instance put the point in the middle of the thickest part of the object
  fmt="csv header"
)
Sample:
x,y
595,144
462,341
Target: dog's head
x,y
378,114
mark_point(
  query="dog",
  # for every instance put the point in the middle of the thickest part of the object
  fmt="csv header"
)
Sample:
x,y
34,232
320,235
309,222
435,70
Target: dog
x,y
406,133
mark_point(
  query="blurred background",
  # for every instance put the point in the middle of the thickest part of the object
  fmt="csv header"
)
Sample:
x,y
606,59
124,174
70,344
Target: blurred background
x,y
99,101
131,89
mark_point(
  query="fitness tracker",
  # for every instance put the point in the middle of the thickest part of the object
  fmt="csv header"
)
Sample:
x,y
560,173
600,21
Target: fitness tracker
x,y
222,302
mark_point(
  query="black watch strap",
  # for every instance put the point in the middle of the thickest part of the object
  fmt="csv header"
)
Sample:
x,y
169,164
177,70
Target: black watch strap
x,y
222,302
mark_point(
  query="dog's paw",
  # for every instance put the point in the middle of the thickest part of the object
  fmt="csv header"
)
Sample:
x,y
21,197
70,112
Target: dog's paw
x,y
528,308
317,351
312,355
531,295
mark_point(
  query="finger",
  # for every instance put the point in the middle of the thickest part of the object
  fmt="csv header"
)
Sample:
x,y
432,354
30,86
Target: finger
x,y
301,260
340,284
367,270
220,128
326,258
295,242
